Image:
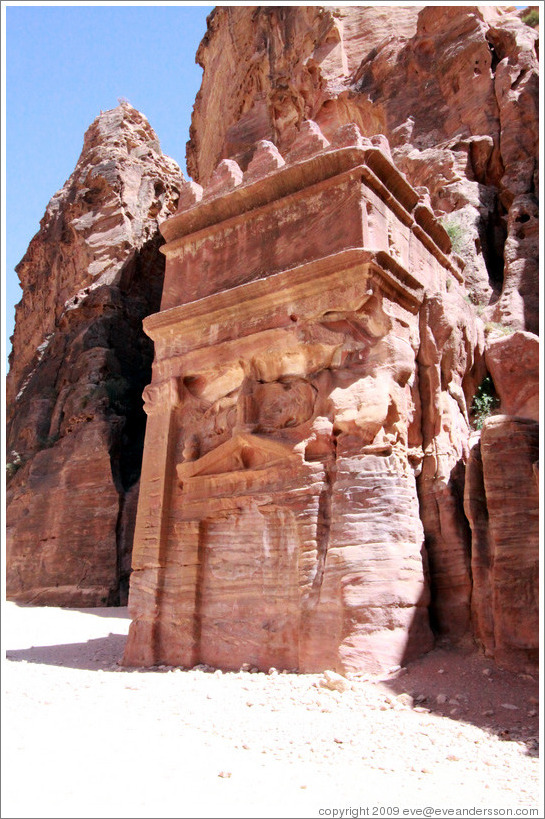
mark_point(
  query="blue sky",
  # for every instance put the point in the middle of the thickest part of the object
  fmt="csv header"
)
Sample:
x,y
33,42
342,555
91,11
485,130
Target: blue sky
x,y
66,63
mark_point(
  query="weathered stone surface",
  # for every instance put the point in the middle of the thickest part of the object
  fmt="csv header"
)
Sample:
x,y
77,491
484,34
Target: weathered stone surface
x,y
79,364
450,367
61,526
318,346
505,566
454,89
279,522
518,305
451,95
513,362
285,66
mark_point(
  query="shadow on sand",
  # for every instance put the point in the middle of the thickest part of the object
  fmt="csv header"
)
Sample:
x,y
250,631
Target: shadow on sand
x,y
460,684
100,654
457,683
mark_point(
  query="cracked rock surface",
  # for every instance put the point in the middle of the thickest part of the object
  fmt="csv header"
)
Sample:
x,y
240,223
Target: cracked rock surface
x,y
79,363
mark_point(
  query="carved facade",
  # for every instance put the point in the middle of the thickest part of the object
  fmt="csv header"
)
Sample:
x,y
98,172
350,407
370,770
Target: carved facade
x,y
278,521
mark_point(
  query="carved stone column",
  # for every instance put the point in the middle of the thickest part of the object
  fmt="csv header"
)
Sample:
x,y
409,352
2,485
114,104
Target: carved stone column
x,y
161,398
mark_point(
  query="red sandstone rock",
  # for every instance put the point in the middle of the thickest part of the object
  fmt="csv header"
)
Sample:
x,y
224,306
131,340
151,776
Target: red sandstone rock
x,y
78,367
454,89
61,529
518,306
513,363
317,359
450,367
505,565
278,521
266,158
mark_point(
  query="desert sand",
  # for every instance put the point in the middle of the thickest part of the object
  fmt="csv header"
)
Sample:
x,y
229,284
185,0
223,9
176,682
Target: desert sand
x,y
85,737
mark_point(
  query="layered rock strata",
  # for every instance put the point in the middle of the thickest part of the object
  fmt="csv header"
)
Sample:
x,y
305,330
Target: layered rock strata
x,y
502,505
451,95
79,363
505,563
278,521
318,350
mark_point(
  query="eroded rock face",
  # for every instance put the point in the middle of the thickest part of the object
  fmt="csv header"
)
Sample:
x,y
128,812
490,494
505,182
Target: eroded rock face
x,y
450,94
279,520
450,367
310,491
513,362
454,89
505,565
79,364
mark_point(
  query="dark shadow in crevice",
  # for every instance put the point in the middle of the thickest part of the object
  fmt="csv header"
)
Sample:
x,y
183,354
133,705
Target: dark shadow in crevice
x,y
119,612
492,236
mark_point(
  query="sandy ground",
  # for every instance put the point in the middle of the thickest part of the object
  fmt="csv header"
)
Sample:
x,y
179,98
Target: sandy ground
x,y
83,737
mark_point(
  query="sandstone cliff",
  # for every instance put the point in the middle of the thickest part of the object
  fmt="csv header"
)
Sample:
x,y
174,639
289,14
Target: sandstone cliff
x,y
454,90
451,95
448,95
79,363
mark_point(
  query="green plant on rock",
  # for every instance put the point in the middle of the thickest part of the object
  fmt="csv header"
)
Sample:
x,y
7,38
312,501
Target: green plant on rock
x,y
471,297
484,403
456,235
13,466
497,328
531,18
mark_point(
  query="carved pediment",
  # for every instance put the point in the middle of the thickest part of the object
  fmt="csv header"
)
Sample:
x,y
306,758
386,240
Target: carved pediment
x,y
242,453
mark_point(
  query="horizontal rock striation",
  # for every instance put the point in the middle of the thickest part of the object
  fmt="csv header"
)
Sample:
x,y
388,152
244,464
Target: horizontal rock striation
x,y
79,363
279,520
505,563
451,96
351,287
502,505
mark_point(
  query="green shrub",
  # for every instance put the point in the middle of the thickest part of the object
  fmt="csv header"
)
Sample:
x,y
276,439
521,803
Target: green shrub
x,y
456,235
484,403
472,298
14,465
497,328
11,468
531,18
